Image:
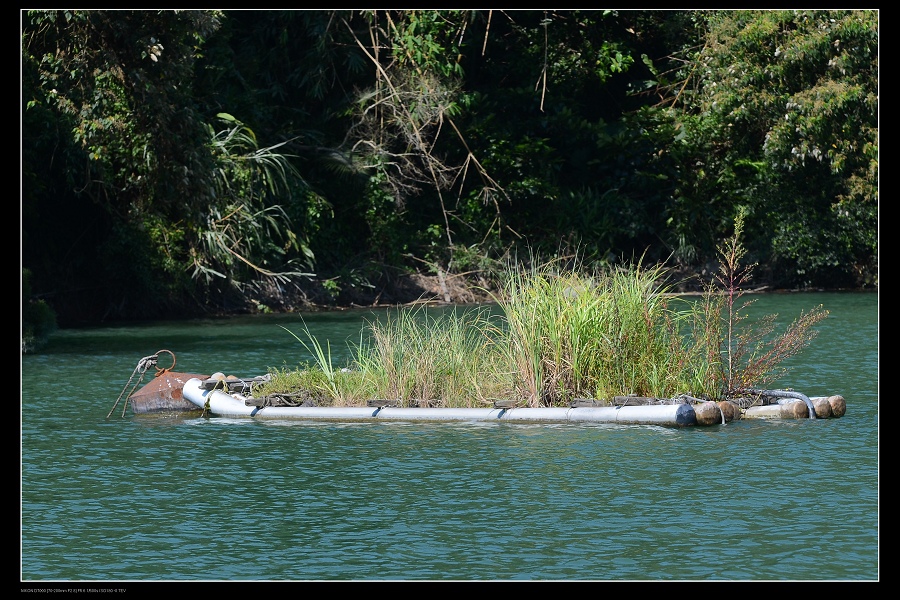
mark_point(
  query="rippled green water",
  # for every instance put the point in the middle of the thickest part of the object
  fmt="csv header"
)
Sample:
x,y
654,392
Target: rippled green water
x,y
163,498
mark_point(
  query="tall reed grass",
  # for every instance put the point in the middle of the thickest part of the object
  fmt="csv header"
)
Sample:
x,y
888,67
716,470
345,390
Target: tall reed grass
x,y
452,358
573,335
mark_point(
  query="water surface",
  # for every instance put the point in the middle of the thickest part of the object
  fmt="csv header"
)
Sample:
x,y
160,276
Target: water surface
x,y
150,498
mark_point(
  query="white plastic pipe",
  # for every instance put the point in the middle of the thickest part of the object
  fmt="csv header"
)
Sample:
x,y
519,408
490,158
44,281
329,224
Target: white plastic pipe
x,y
221,404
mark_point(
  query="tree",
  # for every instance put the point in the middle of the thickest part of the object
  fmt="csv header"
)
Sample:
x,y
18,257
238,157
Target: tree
x,y
168,213
784,115
113,149
182,161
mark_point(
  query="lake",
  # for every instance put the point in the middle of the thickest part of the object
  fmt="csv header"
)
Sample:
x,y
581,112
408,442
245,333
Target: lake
x,y
120,501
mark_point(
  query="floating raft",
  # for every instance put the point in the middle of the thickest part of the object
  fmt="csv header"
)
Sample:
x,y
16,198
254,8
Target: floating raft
x,y
216,398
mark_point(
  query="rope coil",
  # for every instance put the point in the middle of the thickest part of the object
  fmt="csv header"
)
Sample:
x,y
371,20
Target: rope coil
x,y
140,370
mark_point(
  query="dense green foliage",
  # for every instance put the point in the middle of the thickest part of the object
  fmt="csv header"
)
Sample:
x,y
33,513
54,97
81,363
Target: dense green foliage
x,y
786,115
175,162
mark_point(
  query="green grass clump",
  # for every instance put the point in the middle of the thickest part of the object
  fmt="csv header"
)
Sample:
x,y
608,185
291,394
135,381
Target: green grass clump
x,y
346,388
573,335
560,334
451,359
